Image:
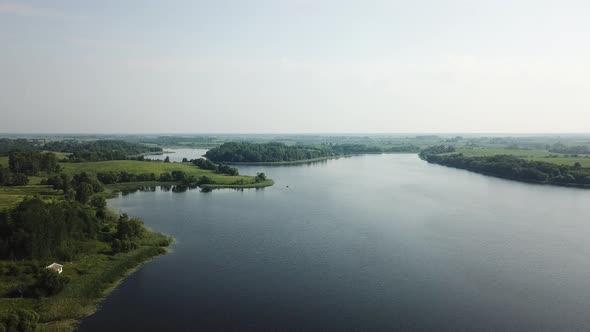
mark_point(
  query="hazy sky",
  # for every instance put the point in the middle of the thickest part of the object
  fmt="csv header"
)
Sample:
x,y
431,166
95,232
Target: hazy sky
x,y
295,66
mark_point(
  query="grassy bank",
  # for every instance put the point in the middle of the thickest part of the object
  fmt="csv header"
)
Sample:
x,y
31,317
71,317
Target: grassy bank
x,y
265,183
157,167
10,196
92,277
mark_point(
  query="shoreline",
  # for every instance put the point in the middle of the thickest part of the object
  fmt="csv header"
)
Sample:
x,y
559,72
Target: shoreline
x,y
108,290
304,161
83,296
263,184
114,189
294,162
562,185
73,324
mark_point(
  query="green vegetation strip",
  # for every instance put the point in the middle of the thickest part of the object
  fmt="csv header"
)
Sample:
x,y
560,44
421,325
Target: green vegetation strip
x,y
91,277
511,166
132,166
534,155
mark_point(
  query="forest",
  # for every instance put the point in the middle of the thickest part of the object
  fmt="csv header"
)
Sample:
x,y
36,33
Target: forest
x,y
72,230
247,152
24,164
20,144
510,167
96,150
266,152
100,150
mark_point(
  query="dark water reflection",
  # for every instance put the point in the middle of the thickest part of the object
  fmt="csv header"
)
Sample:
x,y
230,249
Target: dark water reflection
x,y
378,242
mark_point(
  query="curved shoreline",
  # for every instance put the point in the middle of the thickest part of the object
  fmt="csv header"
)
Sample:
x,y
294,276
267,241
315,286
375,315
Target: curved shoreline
x,y
82,297
563,185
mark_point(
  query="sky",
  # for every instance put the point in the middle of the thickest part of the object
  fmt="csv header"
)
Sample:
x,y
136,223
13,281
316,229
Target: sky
x,y
296,66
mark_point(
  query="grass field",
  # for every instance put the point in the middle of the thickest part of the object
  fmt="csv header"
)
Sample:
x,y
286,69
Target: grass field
x,y
59,155
11,196
157,168
4,161
537,155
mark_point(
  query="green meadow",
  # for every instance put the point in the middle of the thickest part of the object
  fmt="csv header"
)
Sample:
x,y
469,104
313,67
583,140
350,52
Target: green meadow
x,y
156,167
536,155
11,196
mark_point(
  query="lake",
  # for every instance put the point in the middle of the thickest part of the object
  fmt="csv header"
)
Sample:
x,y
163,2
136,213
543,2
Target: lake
x,y
375,242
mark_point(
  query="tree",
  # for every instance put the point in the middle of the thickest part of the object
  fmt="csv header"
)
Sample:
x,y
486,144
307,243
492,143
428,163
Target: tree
x,y
166,177
129,232
89,179
84,192
260,177
19,179
5,176
178,175
49,282
167,159
8,178
19,320
577,166
184,160
100,204
205,180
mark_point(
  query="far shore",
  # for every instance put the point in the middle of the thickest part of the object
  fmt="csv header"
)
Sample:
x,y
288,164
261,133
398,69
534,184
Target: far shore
x,y
304,161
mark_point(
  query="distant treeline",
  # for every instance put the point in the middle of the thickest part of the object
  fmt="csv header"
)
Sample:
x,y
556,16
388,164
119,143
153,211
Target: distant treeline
x,y
266,152
7,145
561,148
24,164
237,152
188,141
32,162
100,150
362,148
511,167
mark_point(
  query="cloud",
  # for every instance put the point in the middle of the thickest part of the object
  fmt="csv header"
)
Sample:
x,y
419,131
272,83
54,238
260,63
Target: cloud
x,y
26,10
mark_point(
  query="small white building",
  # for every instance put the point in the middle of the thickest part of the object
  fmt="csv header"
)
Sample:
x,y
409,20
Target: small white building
x,y
56,267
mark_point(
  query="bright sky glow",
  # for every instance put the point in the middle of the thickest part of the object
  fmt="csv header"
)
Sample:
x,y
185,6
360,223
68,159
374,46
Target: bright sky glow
x,y
295,66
